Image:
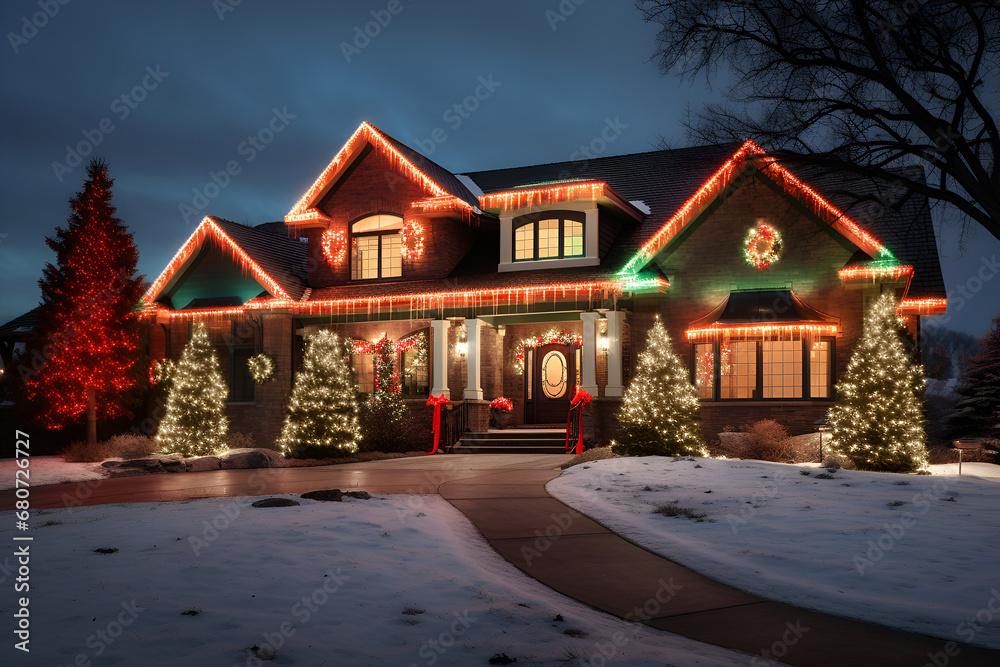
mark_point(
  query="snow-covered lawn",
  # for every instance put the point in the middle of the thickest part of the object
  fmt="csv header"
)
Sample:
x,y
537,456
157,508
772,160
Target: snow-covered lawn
x,y
394,580
51,470
918,553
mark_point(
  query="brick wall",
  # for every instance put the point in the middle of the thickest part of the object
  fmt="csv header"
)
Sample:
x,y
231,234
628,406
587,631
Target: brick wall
x,y
375,186
709,264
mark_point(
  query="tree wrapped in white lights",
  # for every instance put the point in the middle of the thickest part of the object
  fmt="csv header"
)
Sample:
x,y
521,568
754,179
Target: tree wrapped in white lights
x,y
322,416
660,413
194,422
877,419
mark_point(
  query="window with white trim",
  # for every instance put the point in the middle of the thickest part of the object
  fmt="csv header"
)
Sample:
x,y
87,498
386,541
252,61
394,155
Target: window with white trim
x,y
377,247
549,235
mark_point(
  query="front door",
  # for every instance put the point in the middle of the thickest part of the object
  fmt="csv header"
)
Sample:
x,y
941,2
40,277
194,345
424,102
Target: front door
x,y
551,385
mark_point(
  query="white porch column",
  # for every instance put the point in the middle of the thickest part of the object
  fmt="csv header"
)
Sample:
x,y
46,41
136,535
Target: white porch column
x,y
473,356
589,353
439,371
614,387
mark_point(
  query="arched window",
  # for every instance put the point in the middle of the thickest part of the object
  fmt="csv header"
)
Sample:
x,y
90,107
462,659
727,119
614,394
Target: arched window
x,y
549,235
376,247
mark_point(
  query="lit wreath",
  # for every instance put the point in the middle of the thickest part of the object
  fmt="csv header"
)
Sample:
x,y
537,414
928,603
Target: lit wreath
x,y
762,247
412,239
261,367
334,244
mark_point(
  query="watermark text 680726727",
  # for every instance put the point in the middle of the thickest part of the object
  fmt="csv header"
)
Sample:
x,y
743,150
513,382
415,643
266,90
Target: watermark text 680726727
x,y
22,548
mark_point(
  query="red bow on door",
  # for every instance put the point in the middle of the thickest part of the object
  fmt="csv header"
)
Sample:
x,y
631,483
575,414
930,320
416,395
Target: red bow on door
x,y
437,403
580,401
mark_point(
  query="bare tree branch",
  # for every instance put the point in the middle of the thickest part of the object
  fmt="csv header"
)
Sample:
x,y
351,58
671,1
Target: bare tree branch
x,y
865,88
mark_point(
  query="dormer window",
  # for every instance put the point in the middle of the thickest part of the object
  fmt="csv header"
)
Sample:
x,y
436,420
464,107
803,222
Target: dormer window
x,y
551,235
376,247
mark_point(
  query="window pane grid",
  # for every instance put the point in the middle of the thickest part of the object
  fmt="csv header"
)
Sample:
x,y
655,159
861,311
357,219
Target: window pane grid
x,y
782,369
704,370
572,238
392,256
819,369
364,372
364,257
548,239
738,377
524,242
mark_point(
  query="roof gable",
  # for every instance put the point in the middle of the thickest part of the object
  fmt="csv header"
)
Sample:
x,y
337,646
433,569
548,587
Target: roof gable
x,y
438,181
274,261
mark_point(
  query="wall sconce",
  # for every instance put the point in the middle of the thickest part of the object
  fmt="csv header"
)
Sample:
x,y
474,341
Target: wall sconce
x,y
461,340
602,335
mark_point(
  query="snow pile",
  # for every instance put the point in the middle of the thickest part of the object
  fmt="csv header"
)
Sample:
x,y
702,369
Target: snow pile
x,y
641,205
50,470
395,580
913,552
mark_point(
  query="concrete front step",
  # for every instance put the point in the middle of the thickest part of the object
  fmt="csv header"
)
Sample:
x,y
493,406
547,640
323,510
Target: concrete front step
x,y
512,441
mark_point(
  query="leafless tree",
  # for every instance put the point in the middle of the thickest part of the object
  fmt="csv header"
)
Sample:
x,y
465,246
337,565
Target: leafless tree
x,y
854,86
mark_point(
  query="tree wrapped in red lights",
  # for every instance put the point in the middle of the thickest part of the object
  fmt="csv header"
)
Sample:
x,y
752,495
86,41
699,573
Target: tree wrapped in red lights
x,y
660,413
877,420
85,357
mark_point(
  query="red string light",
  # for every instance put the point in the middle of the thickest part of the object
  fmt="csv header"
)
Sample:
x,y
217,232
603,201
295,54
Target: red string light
x,y
925,306
334,243
874,272
554,194
761,330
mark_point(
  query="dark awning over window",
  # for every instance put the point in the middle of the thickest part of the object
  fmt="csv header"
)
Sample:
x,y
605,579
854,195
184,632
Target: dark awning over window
x,y
762,307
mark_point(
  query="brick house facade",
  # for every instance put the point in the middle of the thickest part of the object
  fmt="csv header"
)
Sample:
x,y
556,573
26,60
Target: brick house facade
x,y
388,243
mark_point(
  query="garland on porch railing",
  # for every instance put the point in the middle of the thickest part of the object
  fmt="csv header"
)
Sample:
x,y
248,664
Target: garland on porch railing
x,y
551,336
385,350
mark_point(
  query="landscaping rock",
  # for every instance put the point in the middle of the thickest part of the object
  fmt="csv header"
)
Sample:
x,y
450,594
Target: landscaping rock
x,y
151,464
360,495
329,495
203,463
275,502
251,458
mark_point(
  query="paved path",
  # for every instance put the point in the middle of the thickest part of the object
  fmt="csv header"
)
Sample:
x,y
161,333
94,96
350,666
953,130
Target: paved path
x,y
505,497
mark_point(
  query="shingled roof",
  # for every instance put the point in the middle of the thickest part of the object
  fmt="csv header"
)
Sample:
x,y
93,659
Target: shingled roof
x,y
281,257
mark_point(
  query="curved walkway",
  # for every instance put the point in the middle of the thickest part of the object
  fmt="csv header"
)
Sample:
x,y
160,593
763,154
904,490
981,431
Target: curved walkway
x,y
505,497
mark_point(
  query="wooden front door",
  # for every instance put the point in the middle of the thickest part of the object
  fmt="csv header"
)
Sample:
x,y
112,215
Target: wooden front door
x,y
551,383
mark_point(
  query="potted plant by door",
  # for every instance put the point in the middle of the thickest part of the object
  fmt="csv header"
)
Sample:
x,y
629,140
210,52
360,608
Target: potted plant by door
x,y
500,409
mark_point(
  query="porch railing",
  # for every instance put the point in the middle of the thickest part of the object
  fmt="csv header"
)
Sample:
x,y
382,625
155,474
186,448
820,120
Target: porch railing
x,y
456,423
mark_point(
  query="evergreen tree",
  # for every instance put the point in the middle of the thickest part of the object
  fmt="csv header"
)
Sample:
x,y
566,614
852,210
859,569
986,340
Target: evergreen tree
x,y
194,422
385,420
660,413
977,413
322,415
84,359
877,418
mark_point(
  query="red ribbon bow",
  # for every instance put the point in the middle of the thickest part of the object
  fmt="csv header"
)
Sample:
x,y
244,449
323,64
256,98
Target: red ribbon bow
x,y
581,400
437,403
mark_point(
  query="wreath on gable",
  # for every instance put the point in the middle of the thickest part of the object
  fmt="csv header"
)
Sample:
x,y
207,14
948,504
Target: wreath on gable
x,y
762,247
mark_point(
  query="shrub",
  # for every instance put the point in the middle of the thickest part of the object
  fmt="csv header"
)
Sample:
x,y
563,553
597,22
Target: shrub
x,y
386,426
837,461
766,440
124,446
240,440
133,446
595,454
81,452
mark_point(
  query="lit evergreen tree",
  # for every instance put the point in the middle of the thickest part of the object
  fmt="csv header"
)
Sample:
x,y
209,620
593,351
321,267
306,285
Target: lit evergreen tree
x,y
194,422
877,419
660,413
977,413
322,416
85,356
385,422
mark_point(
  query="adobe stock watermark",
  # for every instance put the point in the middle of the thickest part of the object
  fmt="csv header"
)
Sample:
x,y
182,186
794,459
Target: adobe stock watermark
x,y
106,636
458,113
892,533
223,7
301,612
248,149
433,649
779,648
562,12
31,25
122,106
967,631
363,35
748,510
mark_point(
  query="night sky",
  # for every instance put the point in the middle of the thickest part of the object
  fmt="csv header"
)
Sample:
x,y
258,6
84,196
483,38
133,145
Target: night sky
x,y
172,92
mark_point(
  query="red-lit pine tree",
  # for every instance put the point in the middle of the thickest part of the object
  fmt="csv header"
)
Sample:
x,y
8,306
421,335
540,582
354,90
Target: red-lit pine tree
x,y
84,359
